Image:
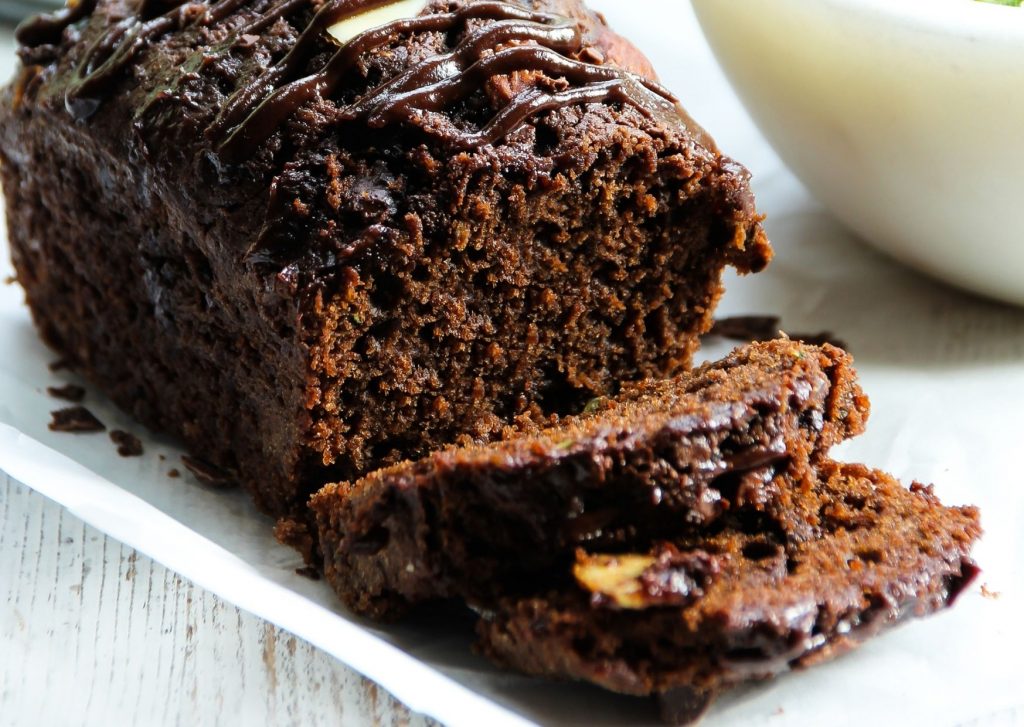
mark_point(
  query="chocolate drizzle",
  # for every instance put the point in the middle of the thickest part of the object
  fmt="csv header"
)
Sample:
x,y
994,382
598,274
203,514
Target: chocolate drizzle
x,y
517,40
108,56
525,41
47,29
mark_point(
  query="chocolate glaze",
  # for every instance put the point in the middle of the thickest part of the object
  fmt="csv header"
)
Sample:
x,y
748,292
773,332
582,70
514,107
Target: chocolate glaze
x,y
418,95
47,29
517,40
109,55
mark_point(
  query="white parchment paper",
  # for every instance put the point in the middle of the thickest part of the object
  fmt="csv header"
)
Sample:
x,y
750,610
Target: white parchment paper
x,y
945,372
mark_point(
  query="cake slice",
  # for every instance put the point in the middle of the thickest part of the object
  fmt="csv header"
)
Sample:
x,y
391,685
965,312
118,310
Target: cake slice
x,y
689,618
310,250
664,457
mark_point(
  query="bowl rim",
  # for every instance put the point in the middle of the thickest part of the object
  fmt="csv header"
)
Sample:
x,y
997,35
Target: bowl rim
x,y
971,18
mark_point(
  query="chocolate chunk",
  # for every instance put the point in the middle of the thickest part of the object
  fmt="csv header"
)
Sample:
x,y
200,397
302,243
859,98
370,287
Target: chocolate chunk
x,y
128,445
75,419
746,328
68,392
207,473
309,572
684,705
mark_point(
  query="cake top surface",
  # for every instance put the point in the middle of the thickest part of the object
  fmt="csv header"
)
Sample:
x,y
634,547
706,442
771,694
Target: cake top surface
x,y
576,57
355,135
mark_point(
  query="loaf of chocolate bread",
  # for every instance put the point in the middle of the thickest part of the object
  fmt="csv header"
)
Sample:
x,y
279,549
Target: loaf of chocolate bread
x,y
314,238
689,618
664,458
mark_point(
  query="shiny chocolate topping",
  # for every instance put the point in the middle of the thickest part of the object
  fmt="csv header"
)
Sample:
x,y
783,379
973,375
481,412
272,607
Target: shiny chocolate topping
x,y
111,53
47,29
515,40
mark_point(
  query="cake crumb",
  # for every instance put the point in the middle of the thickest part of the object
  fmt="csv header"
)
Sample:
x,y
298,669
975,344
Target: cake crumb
x,y
296,535
988,593
128,445
61,364
162,457
207,473
174,474
308,571
10,280
75,419
68,392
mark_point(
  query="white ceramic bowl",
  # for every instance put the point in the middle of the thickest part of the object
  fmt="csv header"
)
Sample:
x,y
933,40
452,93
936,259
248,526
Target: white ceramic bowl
x,y
904,117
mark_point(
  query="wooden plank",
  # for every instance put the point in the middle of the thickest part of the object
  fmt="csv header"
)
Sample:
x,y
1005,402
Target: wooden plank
x,y
94,633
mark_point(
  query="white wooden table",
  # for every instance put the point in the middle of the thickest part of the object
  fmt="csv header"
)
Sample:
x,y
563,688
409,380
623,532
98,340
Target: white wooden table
x,y
93,633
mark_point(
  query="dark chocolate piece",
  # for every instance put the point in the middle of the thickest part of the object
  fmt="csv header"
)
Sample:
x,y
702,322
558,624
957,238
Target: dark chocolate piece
x,y
308,571
208,474
75,419
68,392
663,456
746,328
128,445
684,705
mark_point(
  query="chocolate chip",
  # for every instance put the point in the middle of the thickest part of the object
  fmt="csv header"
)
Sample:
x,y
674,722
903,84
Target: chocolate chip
x,y
746,328
207,473
68,392
128,445
309,572
684,705
75,419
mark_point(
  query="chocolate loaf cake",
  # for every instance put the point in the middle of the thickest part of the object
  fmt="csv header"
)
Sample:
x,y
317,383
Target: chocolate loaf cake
x,y
310,250
663,458
689,618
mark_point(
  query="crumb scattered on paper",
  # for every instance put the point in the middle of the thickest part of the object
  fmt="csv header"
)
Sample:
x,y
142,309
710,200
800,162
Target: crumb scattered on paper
x,y
128,445
988,593
75,419
68,392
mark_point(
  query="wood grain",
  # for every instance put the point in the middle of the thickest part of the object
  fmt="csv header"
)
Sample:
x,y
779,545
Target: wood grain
x,y
93,633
